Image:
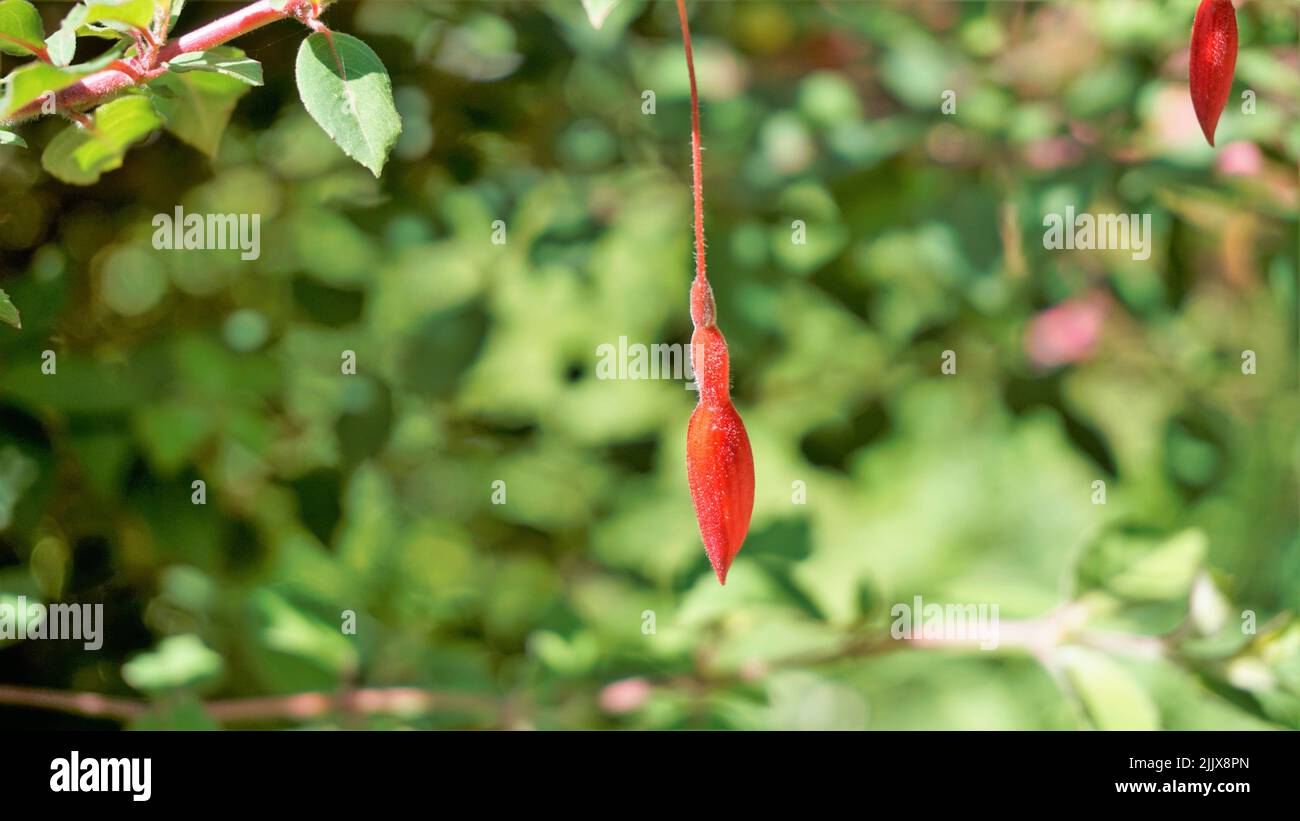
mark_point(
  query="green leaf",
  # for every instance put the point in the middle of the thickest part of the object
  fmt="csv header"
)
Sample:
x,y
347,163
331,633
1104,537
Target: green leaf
x,y
177,5
21,32
223,60
197,106
170,433
598,10
62,44
17,474
1159,571
347,91
30,82
79,156
9,138
120,15
179,661
283,627
8,313
1113,698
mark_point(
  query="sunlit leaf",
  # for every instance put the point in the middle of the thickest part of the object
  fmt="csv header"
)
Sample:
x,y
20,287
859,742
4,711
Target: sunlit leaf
x,y
222,60
598,10
79,155
1146,567
21,32
62,44
120,14
347,91
179,661
177,7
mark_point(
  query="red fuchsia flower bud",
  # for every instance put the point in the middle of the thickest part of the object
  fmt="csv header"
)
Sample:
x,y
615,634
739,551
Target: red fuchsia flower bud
x,y
719,461
1213,59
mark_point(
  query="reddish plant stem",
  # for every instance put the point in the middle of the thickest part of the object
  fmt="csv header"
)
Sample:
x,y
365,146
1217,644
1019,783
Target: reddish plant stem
x,y
93,705
703,311
97,87
227,28
298,706
696,164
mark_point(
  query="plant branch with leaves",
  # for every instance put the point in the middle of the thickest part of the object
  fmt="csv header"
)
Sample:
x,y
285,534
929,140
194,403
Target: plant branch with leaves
x,y
188,84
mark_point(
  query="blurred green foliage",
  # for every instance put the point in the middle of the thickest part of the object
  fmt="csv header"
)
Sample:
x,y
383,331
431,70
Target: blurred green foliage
x,y
476,364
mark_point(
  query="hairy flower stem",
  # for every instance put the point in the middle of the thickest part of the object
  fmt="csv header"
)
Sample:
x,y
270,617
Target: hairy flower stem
x,y
696,162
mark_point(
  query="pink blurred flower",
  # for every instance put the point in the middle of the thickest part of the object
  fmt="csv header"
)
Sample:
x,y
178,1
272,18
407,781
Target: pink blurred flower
x,y
1241,159
1172,118
1052,152
624,696
1066,332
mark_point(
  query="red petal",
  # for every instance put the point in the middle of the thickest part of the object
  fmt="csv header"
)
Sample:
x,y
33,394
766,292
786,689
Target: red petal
x,y
720,469
1213,59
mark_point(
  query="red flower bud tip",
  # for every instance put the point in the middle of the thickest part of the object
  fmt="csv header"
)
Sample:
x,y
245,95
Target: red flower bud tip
x,y
719,462
1213,58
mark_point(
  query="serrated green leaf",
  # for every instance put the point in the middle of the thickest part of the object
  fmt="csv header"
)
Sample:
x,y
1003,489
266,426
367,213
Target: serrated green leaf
x,y
8,313
21,32
120,14
30,82
197,106
598,10
10,138
347,91
62,44
223,60
79,156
